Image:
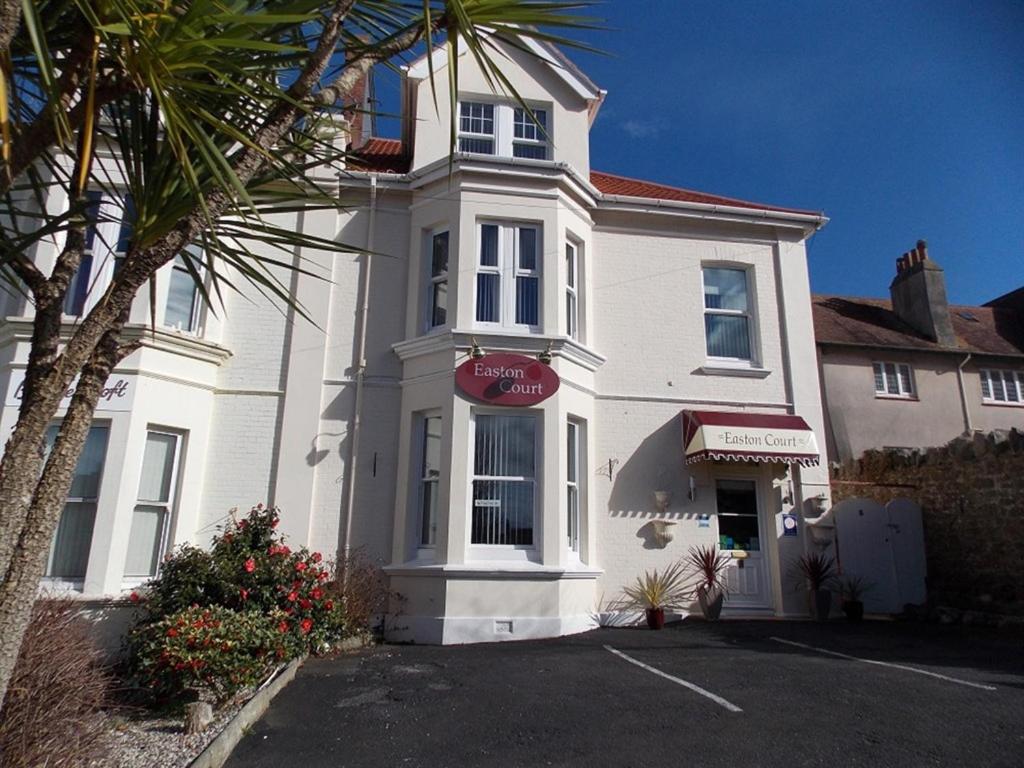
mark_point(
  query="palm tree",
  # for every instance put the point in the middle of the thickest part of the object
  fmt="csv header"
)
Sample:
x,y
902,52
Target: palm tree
x,y
213,110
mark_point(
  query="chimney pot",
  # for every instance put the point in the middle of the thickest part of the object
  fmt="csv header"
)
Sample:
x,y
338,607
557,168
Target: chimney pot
x,y
922,250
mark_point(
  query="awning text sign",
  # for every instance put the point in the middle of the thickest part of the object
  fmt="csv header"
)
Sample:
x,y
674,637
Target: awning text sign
x,y
507,379
752,438
745,436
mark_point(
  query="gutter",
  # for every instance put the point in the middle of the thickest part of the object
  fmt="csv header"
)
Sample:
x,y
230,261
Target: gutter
x,y
963,392
357,409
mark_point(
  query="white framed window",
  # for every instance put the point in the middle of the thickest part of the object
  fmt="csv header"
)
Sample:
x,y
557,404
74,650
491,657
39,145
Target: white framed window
x,y
69,550
429,480
508,276
504,485
894,380
154,508
572,298
727,322
108,236
503,130
573,465
437,288
1005,387
183,300
476,128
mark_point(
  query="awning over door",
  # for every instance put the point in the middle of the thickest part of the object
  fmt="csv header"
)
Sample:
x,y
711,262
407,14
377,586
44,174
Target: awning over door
x,y
724,436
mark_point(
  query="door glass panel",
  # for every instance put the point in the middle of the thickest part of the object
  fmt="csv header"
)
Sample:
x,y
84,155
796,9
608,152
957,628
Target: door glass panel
x,y
737,515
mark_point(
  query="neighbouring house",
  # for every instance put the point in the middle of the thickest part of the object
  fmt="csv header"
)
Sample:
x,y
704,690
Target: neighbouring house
x,y
915,371
539,381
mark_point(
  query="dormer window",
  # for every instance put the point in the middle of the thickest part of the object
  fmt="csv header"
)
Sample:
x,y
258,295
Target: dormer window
x,y
503,130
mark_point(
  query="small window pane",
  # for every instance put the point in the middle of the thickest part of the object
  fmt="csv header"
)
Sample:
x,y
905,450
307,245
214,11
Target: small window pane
x,y
725,289
432,446
489,245
906,385
78,290
879,378
476,118
145,541
986,385
124,237
439,260
428,532
728,336
570,449
504,446
524,126
92,215
439,313
477,146
530,151
527,301
71,542
571,319
157,467
502,512
1011,387
181,300
890,379
527,248
86,482
570,265
488,297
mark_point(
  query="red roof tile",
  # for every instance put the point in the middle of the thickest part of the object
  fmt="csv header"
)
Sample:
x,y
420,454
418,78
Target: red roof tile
x,y
610,184
387,156
872,323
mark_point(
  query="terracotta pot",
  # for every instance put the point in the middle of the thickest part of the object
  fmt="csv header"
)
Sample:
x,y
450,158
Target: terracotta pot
x,y
711,603
819,603
854,610
656,618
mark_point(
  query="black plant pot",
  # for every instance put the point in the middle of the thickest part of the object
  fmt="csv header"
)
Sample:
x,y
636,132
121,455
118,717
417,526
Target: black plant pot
x,y
711,603
854,610
819,603
656,618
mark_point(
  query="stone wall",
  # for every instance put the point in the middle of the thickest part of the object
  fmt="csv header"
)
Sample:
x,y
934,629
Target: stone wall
x,y
971,493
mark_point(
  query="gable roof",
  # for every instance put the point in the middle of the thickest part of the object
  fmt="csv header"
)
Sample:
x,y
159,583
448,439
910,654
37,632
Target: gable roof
x,y
854,321
388,156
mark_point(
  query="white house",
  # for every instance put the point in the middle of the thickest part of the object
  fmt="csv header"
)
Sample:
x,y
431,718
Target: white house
x,y
508,497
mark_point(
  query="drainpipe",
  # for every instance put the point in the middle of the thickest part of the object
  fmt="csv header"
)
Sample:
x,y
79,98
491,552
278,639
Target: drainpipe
x,y
357,410
963,393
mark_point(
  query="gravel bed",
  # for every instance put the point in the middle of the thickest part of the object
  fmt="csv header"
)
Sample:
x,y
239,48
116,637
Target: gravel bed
x,y
140,740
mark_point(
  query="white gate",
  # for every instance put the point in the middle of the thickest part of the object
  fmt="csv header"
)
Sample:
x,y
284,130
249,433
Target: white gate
x,y
885,547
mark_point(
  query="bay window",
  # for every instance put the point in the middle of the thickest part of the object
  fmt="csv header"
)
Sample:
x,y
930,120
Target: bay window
x,y
147,539
69,550
503,130
508,276
430,477
504,480
727,313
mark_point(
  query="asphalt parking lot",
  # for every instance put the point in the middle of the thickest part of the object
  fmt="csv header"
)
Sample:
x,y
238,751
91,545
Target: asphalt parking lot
x,y
735,693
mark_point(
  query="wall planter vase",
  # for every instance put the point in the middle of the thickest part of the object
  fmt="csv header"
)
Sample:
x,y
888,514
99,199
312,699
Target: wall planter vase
x,y
819,603
656,618
854,610
711,603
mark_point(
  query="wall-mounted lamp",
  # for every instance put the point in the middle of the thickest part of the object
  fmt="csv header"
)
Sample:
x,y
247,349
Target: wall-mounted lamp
x,y
661,500
787,494
692,494
475,352
662,533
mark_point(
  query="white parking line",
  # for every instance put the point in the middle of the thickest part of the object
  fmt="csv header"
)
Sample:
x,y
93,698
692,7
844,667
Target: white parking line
x,y
904,667
679,681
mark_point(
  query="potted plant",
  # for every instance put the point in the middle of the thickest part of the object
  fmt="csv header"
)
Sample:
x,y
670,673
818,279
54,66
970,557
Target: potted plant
x,y
657,590
818,571
709,565
851,590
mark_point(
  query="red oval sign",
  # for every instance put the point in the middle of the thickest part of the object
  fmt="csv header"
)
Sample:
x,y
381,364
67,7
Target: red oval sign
x,y
505,379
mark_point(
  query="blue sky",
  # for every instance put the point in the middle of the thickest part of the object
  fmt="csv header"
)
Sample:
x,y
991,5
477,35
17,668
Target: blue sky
x,y
900,120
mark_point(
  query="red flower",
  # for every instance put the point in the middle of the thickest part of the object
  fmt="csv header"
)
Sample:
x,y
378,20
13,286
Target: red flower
x,y
243,593
250,565
316,593
283,627
306,625
293,596
317,557
300,566
198,623
172,632
134,597
305,604
322,576
284,550
274,522
329,605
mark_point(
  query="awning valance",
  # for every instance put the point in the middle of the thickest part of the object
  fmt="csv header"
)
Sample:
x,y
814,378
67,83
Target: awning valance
x,y
725,436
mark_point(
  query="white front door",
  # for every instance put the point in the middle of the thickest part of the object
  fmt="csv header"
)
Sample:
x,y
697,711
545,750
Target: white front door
x,y
740,534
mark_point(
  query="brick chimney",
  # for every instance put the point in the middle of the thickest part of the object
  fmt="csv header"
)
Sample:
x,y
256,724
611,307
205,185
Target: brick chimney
x,y
919,296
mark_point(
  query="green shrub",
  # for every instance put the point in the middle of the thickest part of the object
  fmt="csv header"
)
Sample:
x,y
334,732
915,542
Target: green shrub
x,y
253,584
214,649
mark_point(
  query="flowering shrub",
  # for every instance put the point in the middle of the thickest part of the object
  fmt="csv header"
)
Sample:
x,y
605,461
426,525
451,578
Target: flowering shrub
x,y
249,574
216,649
